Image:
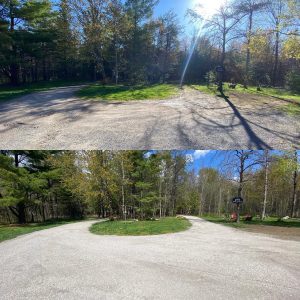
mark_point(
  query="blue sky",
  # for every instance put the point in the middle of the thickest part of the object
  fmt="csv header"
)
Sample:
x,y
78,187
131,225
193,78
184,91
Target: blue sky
x,y
200,159
212,158
204,159
178,6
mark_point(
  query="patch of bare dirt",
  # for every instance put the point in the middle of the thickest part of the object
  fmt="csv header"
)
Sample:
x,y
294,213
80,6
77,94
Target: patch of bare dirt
x,y
284,233
257,101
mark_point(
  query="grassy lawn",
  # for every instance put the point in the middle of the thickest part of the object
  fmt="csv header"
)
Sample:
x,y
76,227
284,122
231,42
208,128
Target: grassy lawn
x,y
126,93
292,108
138,228
10,232
9,92
271,221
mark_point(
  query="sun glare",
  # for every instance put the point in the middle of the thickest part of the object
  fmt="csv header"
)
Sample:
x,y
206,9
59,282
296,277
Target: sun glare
x,y
207,7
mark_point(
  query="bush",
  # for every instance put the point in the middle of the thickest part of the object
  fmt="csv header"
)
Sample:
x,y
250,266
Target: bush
x,y
210,78
293,81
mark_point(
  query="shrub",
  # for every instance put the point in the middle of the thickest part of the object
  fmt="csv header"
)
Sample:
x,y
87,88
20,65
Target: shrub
x,y
210,78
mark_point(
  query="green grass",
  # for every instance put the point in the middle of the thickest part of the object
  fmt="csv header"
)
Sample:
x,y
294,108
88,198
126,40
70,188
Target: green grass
x,y
10,232
126,93
139,228
9,92
270,221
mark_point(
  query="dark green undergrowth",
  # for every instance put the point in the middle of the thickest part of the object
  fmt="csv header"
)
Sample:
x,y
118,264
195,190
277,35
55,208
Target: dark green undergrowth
x,y
270,221
127,93
8,232
139,228
11,92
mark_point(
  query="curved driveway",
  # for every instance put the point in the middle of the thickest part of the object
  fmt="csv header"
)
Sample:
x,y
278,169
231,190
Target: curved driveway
x,y
56,119
208,261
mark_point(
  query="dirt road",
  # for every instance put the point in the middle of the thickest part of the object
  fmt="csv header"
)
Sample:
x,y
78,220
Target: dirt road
x,y
56,119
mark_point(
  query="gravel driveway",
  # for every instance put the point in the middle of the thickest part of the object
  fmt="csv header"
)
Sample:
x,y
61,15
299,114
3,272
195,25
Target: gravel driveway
x,y
55,119
208,261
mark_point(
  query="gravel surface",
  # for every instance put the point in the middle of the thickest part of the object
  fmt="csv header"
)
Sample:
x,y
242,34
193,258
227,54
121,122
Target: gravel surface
x,y
209,261
55,119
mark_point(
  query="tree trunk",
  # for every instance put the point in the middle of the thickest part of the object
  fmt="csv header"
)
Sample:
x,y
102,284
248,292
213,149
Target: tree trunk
x,y
123,191
160,197
14,66
201,200
295,179
43,212
248,58
276,63
241,181
8,216
220,202
263,215
116,65
21,213
223,50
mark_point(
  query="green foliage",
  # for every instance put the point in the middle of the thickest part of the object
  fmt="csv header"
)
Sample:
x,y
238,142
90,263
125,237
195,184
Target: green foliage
x,y
210,78
125,93
40,185
293,81
140,228
122,41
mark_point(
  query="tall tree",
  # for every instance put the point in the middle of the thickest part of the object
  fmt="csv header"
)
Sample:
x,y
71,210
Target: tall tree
x,y
224,25
168,45
266,186
250,8
139,11
21,15
295,185
277,10
66,40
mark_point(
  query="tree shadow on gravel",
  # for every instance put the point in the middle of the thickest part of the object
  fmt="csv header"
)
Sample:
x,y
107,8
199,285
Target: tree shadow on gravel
x,y
259,143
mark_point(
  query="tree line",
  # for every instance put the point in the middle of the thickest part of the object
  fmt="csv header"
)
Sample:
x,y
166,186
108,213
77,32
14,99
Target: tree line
x,y
37,186
257,41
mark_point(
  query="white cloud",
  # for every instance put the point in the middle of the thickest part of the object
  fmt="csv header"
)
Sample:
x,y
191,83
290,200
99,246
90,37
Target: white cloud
x,y
200,153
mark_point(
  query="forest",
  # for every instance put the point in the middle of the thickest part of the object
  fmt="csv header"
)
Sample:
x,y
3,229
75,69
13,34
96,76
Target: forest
x,y
36,186
114,41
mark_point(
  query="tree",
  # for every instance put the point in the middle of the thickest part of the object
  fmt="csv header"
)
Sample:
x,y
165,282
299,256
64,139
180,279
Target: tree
x,y
277,10
93,20
138,11
21,15
266,167
167,45
249,8
223,25
66,41
241,164
20,183
295,185
119,26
